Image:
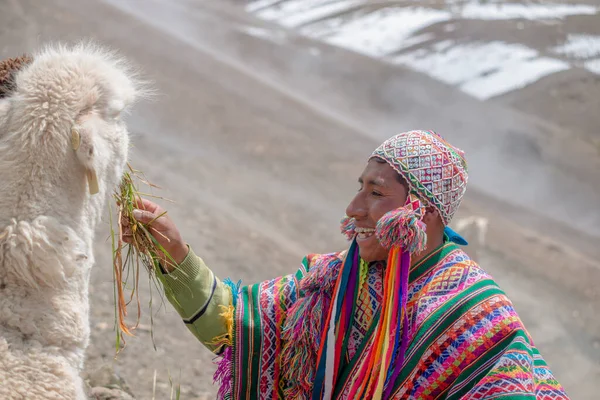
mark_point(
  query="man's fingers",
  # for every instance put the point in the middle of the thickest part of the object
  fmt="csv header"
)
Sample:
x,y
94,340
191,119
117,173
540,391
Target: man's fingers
x,y
147,205
125,222
127,235
143,216
159,233
146,211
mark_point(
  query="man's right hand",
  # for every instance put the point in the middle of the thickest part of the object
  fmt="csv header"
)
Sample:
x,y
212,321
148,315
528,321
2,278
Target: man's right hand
x,y
162,228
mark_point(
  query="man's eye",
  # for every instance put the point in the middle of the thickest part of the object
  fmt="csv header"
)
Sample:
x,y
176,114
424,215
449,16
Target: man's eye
x,y
377,194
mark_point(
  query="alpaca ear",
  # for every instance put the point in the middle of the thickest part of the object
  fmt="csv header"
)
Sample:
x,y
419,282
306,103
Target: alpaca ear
x,y
115,109
83,145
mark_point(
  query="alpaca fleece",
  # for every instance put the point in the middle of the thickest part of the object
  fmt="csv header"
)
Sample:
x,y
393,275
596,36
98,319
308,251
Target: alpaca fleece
x,y
47,214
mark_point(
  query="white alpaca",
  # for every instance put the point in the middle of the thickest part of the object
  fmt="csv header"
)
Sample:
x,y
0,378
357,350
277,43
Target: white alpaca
x,y
63,149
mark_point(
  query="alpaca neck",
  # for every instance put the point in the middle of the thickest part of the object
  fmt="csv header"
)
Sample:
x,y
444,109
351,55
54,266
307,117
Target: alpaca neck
x,y
44,253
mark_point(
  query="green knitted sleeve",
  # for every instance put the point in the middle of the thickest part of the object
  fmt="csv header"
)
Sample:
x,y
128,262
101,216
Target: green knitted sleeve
x,y
200,298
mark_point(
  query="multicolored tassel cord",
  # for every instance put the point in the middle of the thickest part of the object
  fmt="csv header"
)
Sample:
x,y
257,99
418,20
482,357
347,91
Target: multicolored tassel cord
x,y
403,233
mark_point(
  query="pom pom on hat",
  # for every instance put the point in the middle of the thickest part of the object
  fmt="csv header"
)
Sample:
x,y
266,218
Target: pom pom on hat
x,y
347,227
402,228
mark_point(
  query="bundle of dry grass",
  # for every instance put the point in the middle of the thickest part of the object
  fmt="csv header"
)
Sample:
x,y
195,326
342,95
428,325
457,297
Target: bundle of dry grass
x,y
128,259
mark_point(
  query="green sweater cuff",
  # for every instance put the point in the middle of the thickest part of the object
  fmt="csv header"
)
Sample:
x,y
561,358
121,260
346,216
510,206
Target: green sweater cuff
x,y
184,275
199,297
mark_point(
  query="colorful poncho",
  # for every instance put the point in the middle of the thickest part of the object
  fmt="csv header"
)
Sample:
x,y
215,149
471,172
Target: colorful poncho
x,y
465,339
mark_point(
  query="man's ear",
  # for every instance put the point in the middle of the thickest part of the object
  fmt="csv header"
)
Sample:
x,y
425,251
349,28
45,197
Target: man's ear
x,y
431,215
82,142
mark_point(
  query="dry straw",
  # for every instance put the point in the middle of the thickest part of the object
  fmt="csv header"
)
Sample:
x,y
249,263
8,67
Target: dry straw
x,y
144,251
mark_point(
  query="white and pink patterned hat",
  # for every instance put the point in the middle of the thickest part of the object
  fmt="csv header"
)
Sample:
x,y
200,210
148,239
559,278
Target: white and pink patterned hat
x,y
435,171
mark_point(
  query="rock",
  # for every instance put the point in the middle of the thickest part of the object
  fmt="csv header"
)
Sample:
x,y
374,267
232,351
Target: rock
x,y
105,384
103,393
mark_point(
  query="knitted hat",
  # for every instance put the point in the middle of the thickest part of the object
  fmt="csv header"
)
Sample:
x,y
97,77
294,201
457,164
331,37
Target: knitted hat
x,y
435,171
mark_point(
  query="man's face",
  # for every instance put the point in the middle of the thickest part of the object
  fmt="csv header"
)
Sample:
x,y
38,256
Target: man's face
x,y
380,192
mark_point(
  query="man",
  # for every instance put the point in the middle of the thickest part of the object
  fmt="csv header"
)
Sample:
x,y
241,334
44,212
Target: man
x,y
403,313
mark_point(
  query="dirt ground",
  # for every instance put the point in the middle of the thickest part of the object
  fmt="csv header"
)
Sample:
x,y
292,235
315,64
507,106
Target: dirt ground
x,y
259,145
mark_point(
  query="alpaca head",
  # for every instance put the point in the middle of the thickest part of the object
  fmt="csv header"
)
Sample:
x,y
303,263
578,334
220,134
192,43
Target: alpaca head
x,y
63,145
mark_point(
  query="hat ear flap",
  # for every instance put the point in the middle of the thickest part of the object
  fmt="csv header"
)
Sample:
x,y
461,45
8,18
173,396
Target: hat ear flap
x,y
402,228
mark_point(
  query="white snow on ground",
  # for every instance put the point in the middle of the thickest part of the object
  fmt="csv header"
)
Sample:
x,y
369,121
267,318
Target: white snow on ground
x,y
476,10
580,46
481,69
384,31
593,66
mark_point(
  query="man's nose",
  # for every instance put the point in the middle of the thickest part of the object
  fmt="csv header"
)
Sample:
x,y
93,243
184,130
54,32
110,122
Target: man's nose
x,y
357,209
